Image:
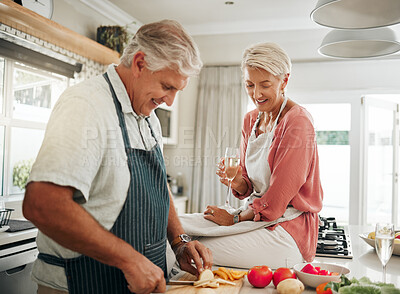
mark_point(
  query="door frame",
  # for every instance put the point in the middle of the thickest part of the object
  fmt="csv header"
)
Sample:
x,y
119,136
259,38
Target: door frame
x,y
367,101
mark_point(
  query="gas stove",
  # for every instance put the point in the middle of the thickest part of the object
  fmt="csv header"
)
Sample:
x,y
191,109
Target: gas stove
x,y
333,240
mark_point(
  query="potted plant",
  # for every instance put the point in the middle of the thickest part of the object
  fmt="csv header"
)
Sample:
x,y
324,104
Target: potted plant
x,y
21,173
114,37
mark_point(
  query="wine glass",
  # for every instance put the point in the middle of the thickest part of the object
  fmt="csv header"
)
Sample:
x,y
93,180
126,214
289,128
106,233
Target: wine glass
x,y
384,239
231,162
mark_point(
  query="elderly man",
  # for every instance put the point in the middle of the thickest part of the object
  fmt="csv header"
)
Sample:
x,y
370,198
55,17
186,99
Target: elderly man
x,y
98,191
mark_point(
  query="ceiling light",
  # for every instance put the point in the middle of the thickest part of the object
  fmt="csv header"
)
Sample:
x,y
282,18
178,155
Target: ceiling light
x,y
229,2
359,43
356,14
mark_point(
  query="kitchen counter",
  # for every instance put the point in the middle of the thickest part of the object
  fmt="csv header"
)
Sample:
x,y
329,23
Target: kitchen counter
x,y
365,262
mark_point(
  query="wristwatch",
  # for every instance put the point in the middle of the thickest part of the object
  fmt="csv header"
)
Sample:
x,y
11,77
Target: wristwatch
x,y
183,238
236,216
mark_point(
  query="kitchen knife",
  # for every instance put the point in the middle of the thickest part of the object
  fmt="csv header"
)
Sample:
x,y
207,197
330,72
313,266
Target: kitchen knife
x,y
173,283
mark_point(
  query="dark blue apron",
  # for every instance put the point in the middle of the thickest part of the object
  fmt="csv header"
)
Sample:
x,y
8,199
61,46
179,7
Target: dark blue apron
x,y
142,221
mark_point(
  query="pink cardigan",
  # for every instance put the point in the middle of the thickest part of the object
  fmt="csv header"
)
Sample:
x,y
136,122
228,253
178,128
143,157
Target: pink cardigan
x,y
293,159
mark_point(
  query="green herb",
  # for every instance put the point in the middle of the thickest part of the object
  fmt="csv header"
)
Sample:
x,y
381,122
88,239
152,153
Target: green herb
x,y
361,286
344,281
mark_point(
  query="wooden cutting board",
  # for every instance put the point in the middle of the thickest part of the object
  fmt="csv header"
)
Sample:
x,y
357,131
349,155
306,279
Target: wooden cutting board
x,y
222,289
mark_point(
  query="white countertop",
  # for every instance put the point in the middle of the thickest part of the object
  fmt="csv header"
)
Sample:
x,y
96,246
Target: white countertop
x,y
365,262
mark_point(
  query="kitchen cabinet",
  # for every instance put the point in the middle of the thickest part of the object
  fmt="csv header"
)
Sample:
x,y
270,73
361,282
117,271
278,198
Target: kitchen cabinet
x,y
18,251
180,203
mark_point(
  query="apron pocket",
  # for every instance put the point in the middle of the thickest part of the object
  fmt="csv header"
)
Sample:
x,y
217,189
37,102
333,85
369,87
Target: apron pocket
x,y
156,253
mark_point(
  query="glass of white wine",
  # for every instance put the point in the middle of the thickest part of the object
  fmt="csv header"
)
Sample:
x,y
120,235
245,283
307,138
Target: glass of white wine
x,y
231,162
384,239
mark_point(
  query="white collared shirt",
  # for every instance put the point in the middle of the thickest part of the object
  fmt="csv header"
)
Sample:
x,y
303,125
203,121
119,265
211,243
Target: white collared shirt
x,y
83,148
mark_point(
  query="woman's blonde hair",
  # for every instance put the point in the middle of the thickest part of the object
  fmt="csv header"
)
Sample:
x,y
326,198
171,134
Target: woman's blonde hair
x,y
267,56
165,44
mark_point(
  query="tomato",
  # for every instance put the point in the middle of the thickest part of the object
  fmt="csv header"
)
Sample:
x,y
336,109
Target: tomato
x,y
320,289
281,274
309,269
259,276
324,273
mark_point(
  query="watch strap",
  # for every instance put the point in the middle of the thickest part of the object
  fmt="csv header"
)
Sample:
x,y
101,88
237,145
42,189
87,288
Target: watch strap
x,y
182,238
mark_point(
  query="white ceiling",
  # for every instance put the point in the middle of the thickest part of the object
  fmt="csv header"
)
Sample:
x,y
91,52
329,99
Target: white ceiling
x,y
223,31
205,17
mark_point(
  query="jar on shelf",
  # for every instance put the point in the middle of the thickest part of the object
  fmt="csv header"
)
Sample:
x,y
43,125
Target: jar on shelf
x,y
179,182
174,187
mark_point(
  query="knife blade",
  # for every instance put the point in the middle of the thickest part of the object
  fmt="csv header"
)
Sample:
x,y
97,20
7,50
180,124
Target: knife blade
x,y
173,283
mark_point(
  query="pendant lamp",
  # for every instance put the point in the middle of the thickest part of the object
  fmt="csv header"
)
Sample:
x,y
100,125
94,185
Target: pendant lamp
x,y
359,43
356,14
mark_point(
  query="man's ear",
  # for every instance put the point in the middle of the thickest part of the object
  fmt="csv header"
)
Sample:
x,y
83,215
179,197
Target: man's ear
x,y
138,63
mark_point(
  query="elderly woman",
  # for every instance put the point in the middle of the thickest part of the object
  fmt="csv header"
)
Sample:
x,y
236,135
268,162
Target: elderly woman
x,y
278,175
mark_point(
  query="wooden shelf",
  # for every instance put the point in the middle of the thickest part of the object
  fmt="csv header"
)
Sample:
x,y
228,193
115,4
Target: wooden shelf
x,y
29,22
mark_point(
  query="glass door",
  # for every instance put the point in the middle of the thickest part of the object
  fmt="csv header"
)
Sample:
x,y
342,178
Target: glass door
x,y
332,134
380,160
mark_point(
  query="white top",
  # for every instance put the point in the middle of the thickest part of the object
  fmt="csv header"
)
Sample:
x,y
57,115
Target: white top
x,y
83,148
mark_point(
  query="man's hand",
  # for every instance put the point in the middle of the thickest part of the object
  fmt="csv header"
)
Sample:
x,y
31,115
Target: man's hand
x,y
143,276
194,250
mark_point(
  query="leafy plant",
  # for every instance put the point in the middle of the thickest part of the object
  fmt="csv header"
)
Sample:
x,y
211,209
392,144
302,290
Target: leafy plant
x,y
363,285
114,37
21,172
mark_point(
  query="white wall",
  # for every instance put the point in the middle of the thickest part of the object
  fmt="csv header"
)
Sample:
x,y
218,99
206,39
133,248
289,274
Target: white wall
x,y
332,80
311,78
364,76
78,17
180,157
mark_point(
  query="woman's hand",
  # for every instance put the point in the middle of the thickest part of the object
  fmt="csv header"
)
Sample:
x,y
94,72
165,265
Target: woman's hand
x,y
237,180
221,172
218,215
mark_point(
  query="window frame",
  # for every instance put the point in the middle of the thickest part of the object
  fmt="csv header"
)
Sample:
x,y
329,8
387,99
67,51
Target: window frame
x,y
8,122
354,99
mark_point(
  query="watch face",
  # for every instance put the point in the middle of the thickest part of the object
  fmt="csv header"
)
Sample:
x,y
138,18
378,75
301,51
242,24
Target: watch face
x,y
42,7
185,238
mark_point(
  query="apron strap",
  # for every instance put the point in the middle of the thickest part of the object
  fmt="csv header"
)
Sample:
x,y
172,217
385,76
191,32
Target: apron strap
x,y
53,260
121,117
120,114
151,129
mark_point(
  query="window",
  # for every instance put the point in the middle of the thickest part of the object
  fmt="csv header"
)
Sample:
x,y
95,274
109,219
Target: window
x,y
27,98
332,133
332,136
34,94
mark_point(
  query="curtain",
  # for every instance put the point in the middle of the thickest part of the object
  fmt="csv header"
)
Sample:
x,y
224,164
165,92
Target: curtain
x,y
221,105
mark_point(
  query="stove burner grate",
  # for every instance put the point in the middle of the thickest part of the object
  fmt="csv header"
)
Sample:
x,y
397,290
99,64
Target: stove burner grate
x,y
333,241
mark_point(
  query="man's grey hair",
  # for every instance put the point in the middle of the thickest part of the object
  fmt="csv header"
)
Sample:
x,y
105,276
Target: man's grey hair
x,y
267,56
165,44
